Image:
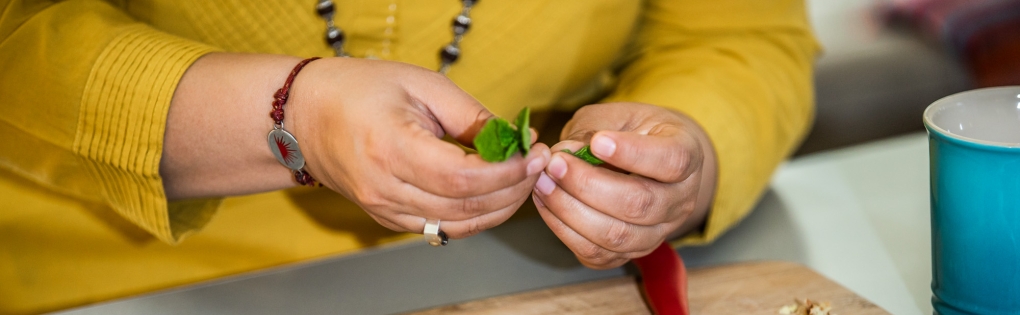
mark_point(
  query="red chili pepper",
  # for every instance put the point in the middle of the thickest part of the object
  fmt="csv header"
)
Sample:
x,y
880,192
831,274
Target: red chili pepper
x,y
665,280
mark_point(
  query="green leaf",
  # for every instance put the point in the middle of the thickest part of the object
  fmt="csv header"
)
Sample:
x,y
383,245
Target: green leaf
x,y
510,150
585,154
499,140
523,121
488,143
507,134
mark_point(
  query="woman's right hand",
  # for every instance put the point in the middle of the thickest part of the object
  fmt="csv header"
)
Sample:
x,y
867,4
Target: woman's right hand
x,y
372,131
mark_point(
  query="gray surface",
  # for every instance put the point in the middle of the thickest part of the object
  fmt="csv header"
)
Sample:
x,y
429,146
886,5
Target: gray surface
x,y
520,255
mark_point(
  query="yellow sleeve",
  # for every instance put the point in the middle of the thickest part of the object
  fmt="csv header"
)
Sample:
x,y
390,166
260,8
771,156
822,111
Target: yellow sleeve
x,y
85,91
742,70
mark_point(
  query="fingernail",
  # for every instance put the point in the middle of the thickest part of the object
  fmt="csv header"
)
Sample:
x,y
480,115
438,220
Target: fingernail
x,y
535,166
557,167
538,201
603,146
545,185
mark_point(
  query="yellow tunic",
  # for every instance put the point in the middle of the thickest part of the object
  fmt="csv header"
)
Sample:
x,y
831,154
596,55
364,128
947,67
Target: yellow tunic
x,y
85,86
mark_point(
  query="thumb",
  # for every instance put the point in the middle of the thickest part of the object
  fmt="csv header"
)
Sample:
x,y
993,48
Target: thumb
x,y
459,114
668,156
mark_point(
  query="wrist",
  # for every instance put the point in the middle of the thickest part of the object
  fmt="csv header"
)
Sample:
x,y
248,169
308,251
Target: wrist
x,y
215,137
306,109
284,145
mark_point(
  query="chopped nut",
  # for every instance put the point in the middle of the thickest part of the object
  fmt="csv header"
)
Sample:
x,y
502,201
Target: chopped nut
x,y
788,309
806,307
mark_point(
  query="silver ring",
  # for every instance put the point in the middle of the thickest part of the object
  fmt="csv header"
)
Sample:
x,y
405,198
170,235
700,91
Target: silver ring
x,y
433,234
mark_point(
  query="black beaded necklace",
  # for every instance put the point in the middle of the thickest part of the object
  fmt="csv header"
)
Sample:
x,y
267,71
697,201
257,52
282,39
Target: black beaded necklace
x,y
447,54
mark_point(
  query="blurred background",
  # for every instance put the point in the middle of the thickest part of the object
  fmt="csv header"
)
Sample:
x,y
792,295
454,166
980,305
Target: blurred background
x,y
884,61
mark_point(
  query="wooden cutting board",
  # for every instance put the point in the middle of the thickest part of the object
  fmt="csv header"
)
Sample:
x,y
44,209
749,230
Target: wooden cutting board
x,y
746,288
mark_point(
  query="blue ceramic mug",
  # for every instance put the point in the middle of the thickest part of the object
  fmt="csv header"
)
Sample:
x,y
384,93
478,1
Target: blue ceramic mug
x,y
974,148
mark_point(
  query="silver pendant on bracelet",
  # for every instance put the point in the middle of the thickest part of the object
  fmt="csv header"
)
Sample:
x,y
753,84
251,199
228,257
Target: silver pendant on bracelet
x,y
285,149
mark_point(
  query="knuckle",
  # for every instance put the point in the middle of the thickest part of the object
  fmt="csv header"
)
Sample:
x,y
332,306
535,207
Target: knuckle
x,y
604,261
369,198
686,206
639,203
474,227
618,235
676,162
459,183
470,206
590,252
377,152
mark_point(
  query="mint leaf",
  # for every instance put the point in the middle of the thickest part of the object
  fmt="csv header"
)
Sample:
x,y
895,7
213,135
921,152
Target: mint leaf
x,y
585,154
488,141
507,135
499,140
510,149
522,122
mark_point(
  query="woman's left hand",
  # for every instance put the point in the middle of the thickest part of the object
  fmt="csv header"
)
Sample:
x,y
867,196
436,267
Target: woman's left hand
x,y
658,181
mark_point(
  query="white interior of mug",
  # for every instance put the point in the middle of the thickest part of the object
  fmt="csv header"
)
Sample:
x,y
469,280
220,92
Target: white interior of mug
x,y
988,116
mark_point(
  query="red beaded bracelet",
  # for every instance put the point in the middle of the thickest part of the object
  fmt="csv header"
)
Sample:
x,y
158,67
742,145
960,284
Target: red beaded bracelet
x,y
283,144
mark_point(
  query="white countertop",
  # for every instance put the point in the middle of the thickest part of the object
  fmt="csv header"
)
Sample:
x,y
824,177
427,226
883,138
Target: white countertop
x,y
857,215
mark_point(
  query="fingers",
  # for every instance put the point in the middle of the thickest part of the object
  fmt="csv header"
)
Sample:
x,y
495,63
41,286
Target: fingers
x,y
666,153
628,198
470,227
459,114
407,203
445,170
638,138
455,229
588,253
597,227
420,203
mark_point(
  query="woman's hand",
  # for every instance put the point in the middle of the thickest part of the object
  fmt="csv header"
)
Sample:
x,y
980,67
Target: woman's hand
x,y
368,129
657,182
372,131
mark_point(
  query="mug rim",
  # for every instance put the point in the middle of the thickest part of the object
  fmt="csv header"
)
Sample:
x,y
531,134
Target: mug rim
x,y
942,103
